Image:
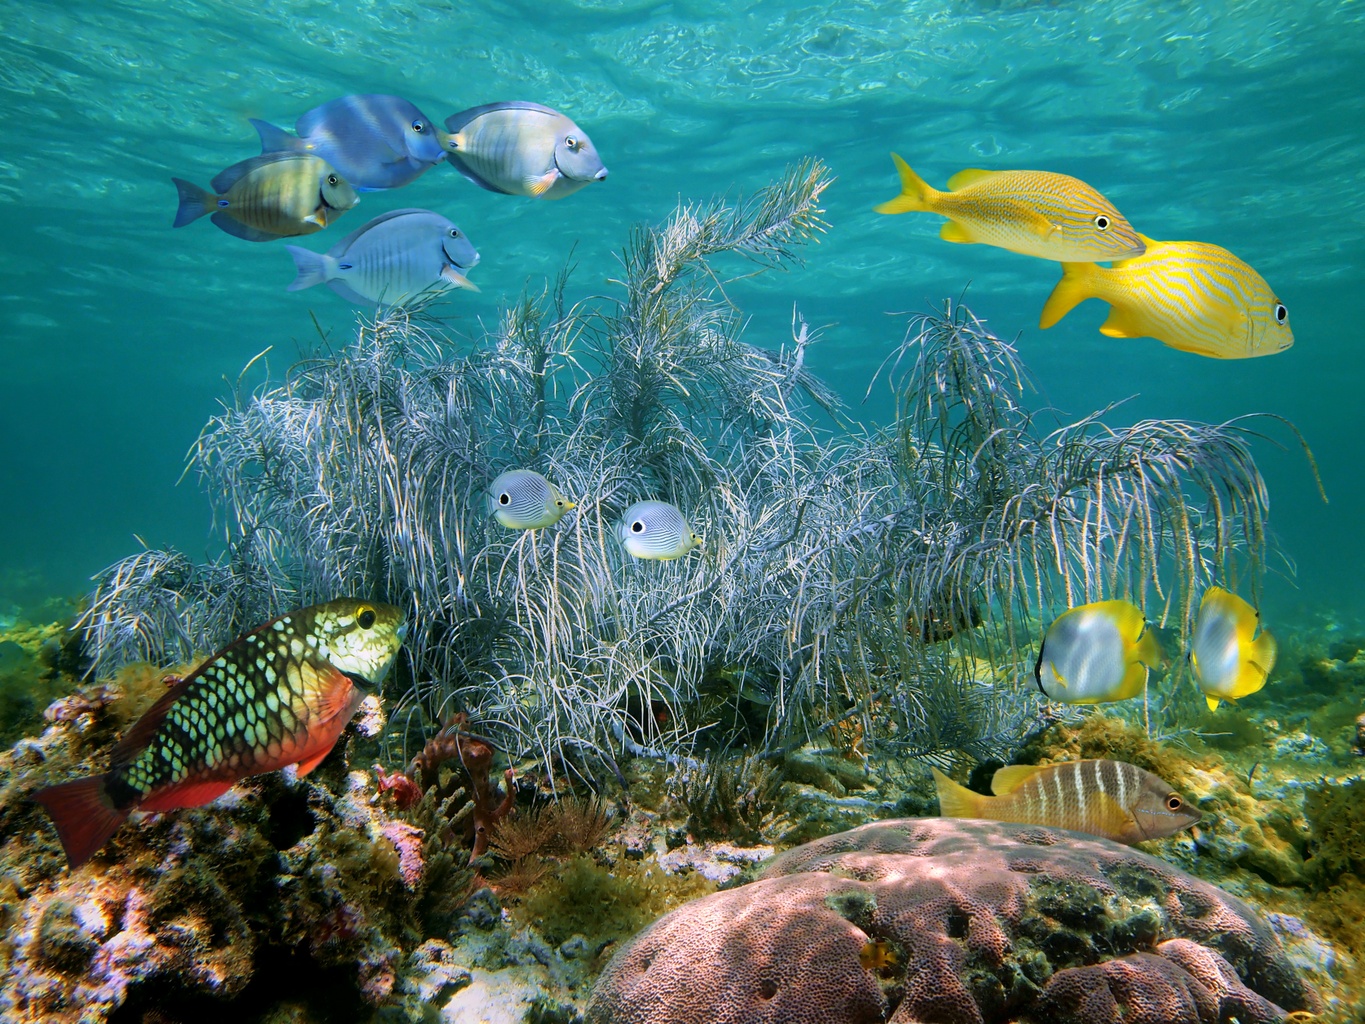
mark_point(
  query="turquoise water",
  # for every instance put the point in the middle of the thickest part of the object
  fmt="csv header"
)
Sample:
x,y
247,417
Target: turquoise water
x,y
1239,125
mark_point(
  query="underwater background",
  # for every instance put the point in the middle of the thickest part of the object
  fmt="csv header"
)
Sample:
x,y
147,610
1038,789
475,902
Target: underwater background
x,y
1239,126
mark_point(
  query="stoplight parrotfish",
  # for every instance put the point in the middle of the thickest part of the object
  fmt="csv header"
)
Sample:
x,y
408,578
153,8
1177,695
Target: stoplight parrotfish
x,y
280,695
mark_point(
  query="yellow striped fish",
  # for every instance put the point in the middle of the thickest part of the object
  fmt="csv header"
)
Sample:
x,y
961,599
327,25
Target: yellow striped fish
x,y
1037,213
1191,296
275,195
1111,799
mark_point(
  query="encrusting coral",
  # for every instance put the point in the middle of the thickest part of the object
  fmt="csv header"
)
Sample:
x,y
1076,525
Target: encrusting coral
x,y
983,922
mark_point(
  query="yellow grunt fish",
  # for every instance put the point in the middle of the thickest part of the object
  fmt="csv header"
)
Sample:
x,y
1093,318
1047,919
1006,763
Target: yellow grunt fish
x,y
1228,659
1037,213
1112,799
1191,296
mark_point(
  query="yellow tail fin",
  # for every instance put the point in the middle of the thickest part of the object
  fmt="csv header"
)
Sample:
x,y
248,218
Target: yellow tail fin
x,y
955,801
1071,291
915,194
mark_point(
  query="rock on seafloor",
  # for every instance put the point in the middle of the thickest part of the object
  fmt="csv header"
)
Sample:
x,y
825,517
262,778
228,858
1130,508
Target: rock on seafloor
x,y
950,921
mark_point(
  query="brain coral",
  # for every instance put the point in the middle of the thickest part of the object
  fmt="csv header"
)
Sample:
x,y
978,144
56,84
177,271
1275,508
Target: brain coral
x,y
950,921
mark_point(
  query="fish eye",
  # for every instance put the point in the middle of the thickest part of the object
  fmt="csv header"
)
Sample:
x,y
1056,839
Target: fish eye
x,y
1101,221
332,179
559,502
571,141
1281,314
365,617
419,127
454,232
1174,803
637,527
504,498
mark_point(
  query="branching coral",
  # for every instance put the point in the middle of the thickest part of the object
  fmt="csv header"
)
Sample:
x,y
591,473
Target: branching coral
x,y
835,564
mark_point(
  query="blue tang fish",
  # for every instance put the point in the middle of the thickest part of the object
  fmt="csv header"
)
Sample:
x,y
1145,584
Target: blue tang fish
x,y
522,149
269,197
394,256
376,142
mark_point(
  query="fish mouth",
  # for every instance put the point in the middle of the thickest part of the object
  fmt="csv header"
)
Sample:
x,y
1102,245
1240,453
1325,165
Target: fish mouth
x,y
600,175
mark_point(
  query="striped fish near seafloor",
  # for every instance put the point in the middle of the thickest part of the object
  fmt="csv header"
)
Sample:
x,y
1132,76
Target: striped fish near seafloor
x,y
1111,799
280,695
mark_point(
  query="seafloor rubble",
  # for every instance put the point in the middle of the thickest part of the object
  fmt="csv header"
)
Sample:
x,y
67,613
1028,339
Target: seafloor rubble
x,y
337,898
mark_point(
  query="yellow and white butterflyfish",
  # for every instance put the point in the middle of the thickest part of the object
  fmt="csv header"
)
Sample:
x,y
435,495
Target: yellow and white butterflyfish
x,y
1228,658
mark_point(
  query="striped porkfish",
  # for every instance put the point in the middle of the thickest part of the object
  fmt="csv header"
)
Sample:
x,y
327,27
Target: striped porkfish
x,y
1189,295
280,695
275,195
522,149
522,499
1112,799
1036,213
657,530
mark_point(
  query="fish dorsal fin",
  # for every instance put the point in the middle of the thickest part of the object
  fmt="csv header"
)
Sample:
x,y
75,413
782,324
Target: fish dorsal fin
x,y
457,122
970,176
1006,780
340,248
135,740
226,179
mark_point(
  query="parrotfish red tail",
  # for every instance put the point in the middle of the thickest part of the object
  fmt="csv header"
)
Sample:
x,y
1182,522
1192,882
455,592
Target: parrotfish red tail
x,y
915,194
194,202
84,815
955,801
1073,289
277,140
312,267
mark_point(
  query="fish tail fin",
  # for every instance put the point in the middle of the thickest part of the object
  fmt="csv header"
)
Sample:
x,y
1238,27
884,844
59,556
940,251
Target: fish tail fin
x,y
915,194
84,815
1073,289
194,202
312,267
955,801
274,139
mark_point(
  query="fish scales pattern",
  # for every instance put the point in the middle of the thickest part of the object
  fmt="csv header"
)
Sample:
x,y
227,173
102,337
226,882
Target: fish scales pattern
x,y
243,712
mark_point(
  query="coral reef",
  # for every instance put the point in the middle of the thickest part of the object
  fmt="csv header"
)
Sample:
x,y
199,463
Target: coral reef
x,y
976,921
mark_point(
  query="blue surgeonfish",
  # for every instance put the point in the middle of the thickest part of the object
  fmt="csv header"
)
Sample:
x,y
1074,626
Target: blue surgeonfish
x,y
1228,658
1096,653
374,141
269,197
393,257
522,499
522,149
656,529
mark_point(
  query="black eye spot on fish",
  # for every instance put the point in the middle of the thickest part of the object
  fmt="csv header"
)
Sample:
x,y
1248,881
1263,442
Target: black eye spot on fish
x,y
1101,222
637,527
504,498
366,618
1281,314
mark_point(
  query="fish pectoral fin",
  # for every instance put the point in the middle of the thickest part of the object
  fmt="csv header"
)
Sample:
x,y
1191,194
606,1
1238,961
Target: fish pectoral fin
x,y
1009,778
452,275
539,186
309,763
952,231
